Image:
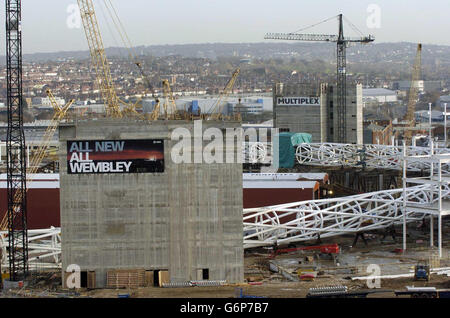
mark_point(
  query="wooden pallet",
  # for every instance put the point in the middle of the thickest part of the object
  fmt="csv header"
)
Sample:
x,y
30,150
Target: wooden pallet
x,y
125,278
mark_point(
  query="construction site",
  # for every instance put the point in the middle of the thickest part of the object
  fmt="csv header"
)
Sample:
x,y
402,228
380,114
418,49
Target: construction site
x,y
129,204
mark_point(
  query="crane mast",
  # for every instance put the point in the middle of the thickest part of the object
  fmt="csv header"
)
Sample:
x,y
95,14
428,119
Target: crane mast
x,y
341,84
413,94
341,74
15,146
37,158
97,50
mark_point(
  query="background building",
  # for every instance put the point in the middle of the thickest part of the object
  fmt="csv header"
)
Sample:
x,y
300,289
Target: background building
x,y
380,95
378,133
45,101
423,86
444,100
246,106
310,108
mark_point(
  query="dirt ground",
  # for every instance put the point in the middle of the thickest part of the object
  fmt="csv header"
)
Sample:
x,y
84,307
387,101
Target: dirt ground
x,y
274,285
262,281
269,290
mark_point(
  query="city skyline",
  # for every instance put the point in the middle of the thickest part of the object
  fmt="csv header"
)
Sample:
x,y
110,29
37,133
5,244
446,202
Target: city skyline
x,y
50,26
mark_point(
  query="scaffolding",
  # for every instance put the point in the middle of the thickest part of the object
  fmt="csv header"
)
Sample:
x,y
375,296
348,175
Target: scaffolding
x,y
436,183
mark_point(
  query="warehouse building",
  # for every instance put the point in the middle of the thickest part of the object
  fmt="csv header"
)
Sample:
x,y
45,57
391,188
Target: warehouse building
x,y
380,95
311,108
422,86
255,105
42,200
127,206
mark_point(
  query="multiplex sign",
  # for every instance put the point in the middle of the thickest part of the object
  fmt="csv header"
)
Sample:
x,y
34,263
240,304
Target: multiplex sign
x,y
115,156
298,101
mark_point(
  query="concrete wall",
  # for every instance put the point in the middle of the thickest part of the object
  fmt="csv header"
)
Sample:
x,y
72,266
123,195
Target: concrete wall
x,y
302,118
319,121
354,118
185,219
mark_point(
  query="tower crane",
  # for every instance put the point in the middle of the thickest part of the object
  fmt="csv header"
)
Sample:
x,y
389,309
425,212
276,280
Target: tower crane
x,y
413,94
15,146
341,76
36,159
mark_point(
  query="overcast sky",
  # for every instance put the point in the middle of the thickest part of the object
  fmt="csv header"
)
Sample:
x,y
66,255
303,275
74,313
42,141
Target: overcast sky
x,y
150,22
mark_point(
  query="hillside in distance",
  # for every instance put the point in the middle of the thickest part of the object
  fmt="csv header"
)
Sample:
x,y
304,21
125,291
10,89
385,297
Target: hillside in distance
x,y
389,61
374,52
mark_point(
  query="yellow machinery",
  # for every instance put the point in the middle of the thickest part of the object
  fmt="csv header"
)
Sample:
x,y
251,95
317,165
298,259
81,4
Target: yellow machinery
x,y
99,60
59,114
170,107
413,95
217,108
156,113
106,83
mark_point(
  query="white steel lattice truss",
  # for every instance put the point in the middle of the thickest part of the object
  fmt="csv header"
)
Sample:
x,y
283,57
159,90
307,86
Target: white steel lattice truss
x,y
307,220
299,221
44,248
281,224
369,156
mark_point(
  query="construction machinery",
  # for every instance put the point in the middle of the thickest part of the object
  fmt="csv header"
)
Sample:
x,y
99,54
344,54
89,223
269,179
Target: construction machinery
x,y
101,64
99,60
148,85
341,74
115,106
15,146
216,112
413,95
423,292
36,159
156,113
422,271
170,107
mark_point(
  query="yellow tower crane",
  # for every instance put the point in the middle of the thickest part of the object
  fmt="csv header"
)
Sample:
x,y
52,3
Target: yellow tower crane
x,y
35,162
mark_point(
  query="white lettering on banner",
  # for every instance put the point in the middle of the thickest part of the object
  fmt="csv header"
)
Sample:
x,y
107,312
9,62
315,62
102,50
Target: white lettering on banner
x,y
298,101
132,156
102,167
80,147
109,146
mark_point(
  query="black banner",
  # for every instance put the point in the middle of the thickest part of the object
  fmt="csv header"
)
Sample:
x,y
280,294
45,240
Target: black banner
x,y
115,156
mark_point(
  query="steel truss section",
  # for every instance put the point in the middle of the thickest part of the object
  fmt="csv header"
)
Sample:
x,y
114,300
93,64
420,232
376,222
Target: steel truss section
x,y
44,248
369,156
283,224
309,220
257,152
